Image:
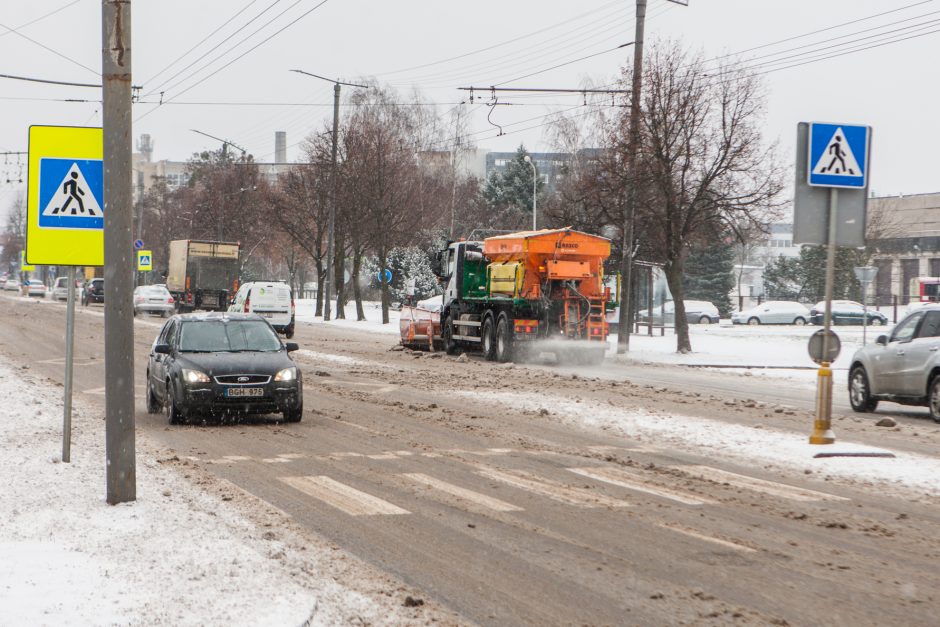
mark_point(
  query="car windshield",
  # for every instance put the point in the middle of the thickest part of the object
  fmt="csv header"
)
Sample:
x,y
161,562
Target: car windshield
x,y
205,336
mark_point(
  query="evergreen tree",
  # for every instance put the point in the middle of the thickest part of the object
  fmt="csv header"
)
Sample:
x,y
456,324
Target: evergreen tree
x,y
709,275
803,278
509,194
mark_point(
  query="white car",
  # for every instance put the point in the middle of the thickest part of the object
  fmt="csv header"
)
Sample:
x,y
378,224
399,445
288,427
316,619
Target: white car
x,y
773,312
153,299
12,285
696,312
271,299
36,288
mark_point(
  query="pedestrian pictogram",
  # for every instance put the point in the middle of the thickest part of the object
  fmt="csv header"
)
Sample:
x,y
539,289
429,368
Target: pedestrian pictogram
x,y
69,199
838,155
65,202
144,261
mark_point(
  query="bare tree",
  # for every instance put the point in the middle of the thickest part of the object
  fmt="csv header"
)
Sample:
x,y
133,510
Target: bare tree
x,y
704,166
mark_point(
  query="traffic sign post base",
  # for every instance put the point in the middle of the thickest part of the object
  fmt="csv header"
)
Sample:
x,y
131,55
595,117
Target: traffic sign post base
x,y
822,425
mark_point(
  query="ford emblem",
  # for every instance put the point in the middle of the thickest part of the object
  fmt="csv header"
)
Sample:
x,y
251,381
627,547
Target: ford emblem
x,y
243,379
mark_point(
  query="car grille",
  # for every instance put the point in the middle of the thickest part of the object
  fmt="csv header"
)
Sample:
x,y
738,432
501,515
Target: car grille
x,y
243,379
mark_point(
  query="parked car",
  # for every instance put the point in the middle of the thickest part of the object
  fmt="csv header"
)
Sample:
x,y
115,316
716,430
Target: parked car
x,y
12,284
271,299
846,312
222,363
903,367
93,291
696,312
35,287
153,299
60,290
773,312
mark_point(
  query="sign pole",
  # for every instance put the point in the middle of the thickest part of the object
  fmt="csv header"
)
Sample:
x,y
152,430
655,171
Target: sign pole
x,y
69,357
822,426
118,246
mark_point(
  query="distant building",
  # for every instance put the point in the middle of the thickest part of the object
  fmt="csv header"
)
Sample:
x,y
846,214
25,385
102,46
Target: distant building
x,y
147,172
549,165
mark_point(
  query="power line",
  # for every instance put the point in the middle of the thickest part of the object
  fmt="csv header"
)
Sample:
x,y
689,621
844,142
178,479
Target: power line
x,y
555,67
41,17
45,47
202,41
47,81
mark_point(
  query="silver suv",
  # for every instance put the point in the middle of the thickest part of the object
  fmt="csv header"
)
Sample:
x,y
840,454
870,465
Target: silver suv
x,y
902,367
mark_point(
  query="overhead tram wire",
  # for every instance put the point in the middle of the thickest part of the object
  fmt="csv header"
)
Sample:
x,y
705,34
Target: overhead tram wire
x,y
214,48
41,17
256,46
555,67
47,48
201,41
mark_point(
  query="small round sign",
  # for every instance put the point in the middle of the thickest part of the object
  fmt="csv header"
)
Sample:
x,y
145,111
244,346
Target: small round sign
x,y
816,346
384,277
138,244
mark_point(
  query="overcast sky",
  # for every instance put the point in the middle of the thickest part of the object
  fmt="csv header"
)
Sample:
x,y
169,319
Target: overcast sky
x,y
435,47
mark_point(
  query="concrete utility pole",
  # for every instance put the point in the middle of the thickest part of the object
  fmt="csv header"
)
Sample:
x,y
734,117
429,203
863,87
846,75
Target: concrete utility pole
x,y
331,221
626,260
118,252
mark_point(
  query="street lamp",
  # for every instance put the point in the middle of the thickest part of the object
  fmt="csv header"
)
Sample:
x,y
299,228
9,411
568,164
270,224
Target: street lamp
x,y
535,183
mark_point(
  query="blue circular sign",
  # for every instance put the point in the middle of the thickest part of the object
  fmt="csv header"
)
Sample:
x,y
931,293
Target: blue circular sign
x,y
384,277
138,244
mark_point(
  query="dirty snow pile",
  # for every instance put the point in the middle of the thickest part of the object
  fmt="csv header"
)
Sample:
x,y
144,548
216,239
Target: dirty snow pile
x,y
177,555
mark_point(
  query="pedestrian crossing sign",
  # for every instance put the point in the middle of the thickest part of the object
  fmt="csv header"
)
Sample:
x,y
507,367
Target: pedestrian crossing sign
x,y
144,261
65,196
838,155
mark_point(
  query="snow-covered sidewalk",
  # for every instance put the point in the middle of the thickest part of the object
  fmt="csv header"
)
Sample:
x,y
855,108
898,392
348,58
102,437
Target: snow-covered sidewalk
x,y
181,554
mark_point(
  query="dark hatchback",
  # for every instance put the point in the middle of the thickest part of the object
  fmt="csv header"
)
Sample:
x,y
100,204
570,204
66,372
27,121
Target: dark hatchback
x,y
93,292
222,364
847,312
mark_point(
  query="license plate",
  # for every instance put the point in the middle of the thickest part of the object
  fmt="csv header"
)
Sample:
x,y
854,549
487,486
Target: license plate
x,y
269,315
244,392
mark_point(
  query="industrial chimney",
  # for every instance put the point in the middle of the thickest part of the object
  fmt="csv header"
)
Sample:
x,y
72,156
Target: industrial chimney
x,y
280,147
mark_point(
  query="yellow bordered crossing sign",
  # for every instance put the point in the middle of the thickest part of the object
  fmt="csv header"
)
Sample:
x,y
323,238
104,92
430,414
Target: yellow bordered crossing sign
x,y
25,267
144,261
65,196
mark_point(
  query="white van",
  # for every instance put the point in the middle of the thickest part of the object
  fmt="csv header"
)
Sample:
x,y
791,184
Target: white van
x,y
271,299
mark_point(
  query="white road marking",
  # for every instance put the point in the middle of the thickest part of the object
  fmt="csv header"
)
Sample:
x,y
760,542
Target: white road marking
x,y
552,489
431,455
61,361
462,493
403,453
100,391
758,485
292,455
342,496
276,460
618,477
700,536
236,458
383,456
492,451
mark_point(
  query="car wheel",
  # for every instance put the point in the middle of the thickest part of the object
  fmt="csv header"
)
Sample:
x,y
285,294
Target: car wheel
x,y
860,392
704,320
153,405
875,322
799,322
488,341
503,340
447,336
289,333
294,415
164,314
933,398
174,413
753,321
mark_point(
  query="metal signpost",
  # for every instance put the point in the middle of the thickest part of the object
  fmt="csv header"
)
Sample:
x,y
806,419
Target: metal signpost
x,y
64,223
836,157
865,276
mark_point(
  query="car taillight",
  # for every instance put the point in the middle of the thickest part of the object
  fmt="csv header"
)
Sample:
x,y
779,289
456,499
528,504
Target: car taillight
x,y
292,303
170,300
247,307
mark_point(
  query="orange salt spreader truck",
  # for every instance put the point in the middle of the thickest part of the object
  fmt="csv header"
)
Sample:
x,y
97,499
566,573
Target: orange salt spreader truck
x,y
526,293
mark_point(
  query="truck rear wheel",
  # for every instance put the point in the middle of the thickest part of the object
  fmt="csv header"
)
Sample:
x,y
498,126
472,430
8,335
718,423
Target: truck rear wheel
x,y
447,333
503,340
488,339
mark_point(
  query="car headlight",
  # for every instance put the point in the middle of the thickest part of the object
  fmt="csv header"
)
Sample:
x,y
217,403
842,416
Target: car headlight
x,y
287,374
194,376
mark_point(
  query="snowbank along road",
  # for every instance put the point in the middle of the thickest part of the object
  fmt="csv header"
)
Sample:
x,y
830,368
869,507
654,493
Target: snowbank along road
x,y
539,494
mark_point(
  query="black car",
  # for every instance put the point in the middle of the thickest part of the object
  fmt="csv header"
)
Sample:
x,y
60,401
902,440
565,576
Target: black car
x,y
847,312
93,292
222,363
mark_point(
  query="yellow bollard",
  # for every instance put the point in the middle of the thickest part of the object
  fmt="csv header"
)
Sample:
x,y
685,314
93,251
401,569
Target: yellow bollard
x,y
822,426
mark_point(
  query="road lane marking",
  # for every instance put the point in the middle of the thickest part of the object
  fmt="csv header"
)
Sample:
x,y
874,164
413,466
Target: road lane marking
x,y
383,456
60,361
700,536
462,493
100,391
771,488
291,455
342,496
552,489
492,451
618,477
275,460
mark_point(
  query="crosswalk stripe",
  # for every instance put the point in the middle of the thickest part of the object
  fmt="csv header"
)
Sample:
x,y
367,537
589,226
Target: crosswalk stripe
x,y
342,497
618,477
771,488
462,493
553,490
701,536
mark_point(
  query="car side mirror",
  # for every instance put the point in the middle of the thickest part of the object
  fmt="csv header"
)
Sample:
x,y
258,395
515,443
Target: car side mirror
x,y
882,339
437,265
292,346
162,349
